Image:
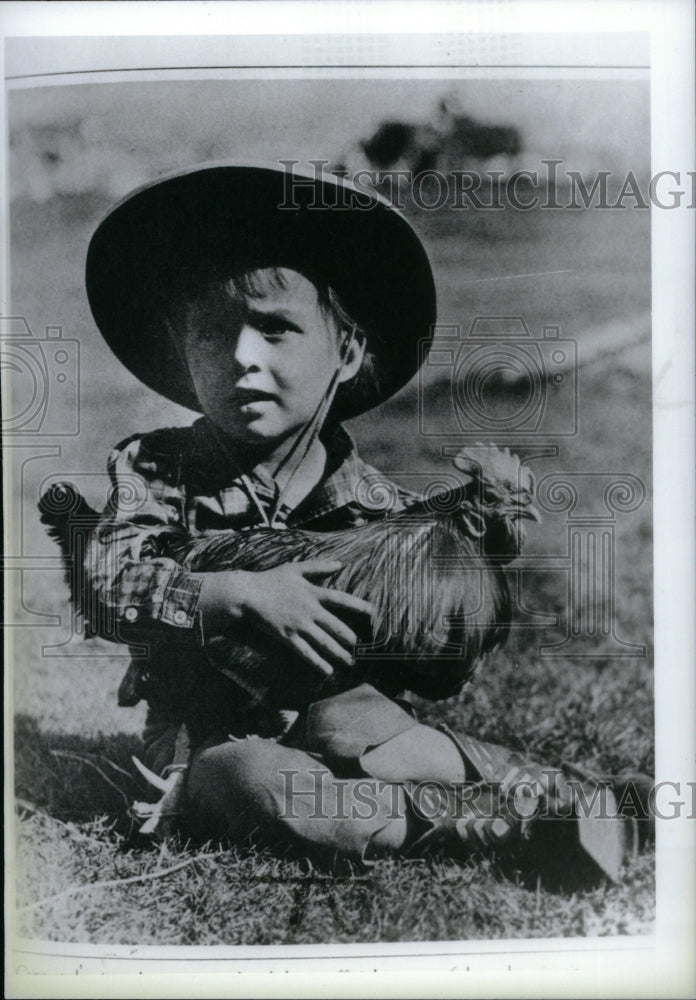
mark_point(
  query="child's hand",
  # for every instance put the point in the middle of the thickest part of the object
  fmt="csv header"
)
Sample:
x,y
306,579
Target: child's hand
x,y
284,604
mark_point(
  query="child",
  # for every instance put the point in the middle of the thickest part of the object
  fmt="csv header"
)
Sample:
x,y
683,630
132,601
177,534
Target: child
x,y
278,306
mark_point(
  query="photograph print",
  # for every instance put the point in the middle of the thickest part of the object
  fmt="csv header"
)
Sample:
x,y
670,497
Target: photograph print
x,y
328,434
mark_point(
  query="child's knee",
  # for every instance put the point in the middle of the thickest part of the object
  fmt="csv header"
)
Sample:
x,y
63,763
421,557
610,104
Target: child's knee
x,y
421,754
241,767
241,785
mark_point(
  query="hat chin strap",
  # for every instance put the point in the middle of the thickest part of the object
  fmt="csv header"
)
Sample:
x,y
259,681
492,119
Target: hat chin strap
x,y
308,434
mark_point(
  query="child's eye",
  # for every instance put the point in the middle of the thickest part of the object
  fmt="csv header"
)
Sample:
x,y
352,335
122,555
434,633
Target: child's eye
x,y
276,329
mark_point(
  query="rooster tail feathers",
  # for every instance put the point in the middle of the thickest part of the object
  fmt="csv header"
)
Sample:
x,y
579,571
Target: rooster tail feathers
x,y
69,520
62,505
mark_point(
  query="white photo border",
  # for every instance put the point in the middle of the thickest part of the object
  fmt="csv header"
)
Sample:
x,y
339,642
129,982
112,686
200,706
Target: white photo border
x,y
663,965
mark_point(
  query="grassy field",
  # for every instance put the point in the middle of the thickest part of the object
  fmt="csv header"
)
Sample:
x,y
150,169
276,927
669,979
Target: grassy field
x,y
80,876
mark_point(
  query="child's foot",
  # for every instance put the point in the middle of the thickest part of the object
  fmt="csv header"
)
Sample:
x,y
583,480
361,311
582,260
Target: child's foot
x,y
559,825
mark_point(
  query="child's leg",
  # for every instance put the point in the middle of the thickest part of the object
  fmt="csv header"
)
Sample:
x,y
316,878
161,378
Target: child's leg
x,y
281,794
419,754
363,731
504,801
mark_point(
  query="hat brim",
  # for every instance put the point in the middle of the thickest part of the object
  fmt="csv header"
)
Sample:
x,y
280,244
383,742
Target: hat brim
x,y
215,221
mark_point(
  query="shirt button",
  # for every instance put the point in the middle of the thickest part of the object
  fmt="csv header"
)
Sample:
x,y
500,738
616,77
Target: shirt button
x,y
180,617
131,614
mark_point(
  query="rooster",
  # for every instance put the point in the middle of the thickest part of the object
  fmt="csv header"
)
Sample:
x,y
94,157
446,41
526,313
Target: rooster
x,y
434,573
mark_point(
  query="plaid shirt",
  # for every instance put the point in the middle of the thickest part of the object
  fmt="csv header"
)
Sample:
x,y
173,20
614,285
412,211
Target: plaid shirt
x,y
178,482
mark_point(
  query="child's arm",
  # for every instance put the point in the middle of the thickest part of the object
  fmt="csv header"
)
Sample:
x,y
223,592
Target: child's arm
x,y
134,590
137,592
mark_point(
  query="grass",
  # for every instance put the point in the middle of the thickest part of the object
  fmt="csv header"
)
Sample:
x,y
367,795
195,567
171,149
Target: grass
x,y
73,746
74,835
242,897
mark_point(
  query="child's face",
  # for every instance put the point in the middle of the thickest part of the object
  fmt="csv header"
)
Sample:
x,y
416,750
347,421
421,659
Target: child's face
x,y
261,365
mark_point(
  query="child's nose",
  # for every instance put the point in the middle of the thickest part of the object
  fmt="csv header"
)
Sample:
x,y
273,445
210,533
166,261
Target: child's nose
x,y
248,347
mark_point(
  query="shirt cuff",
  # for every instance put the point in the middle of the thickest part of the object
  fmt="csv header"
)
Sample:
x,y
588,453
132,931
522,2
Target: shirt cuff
x,y
159,596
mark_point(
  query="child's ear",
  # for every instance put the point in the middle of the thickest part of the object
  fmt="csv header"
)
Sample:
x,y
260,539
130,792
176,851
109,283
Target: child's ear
x,y
354,358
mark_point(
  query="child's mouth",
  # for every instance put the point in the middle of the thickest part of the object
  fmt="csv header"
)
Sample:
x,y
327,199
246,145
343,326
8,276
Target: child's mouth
x,y
244,398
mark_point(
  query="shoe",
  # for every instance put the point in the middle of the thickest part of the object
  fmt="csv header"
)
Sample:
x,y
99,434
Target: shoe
x,y
632,793
562,827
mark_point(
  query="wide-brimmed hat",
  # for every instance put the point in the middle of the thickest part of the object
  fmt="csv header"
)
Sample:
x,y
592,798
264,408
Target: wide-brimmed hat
x,y
215,221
